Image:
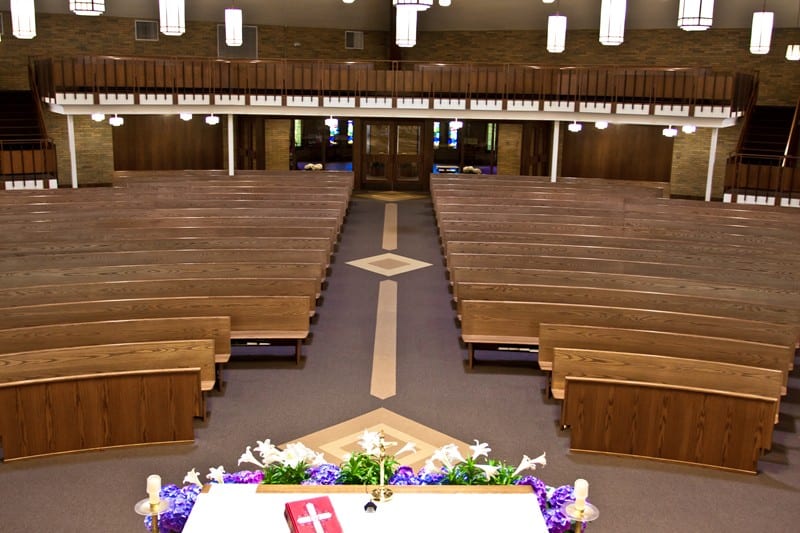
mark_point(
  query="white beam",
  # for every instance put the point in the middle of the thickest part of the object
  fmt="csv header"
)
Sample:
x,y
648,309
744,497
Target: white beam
x,y
712,156
73,161
230,146
554,151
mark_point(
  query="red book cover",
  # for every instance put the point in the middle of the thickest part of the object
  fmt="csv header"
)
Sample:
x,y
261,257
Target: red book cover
x,y
315,515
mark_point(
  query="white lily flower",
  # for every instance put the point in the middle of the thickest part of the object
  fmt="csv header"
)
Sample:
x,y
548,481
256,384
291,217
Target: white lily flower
x,y
269,453
489,470
453,454
480,449
370,442
409,447
248,457
215,474
319,459
429,466
530,464
193,478
296,453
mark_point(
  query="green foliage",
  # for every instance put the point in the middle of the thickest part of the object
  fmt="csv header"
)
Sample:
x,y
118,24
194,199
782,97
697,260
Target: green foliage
x,y
279,474
364,469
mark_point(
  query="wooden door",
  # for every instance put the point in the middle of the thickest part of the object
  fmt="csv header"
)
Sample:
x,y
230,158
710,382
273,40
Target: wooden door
x,y
250,149
392,156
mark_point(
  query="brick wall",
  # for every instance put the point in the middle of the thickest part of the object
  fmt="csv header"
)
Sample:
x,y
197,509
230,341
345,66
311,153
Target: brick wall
x,y
93,149
276,138
509,147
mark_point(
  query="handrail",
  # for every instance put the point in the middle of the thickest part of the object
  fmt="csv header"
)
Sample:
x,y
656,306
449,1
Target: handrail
x,y
763,175
794,134
614,85
748,112
28,157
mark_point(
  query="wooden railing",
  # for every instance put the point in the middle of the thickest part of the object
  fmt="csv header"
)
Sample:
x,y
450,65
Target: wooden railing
x,y
28,159
395,79
775,176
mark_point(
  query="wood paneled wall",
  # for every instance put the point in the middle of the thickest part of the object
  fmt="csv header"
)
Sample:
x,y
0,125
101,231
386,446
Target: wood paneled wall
x,y
620,152
167,143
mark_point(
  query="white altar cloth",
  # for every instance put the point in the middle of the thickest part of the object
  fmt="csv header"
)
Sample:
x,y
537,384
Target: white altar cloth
x,y
251,509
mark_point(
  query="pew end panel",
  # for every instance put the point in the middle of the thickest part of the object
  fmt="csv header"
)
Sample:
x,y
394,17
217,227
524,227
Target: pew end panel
x,y
691,426
98,411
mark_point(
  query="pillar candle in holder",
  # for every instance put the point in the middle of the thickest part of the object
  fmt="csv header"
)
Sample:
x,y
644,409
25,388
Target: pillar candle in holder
x,y
154,488
581,493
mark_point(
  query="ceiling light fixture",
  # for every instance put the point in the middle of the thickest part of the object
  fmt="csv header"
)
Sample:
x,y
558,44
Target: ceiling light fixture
x,y
456,124
233,26
695,15
185,116
98,117
212,119
601,124
173,17
444,3
669,131
689,128
575,127
332,123
23,19
793,50
612,22
761,32
556,33
116,120
92,8
406,20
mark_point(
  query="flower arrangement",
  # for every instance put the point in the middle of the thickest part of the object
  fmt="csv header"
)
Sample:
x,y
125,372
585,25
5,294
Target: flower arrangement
x,y
313,166
471,170
298,464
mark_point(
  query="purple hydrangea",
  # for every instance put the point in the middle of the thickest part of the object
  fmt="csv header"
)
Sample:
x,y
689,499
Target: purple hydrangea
x,y
181,500
428,477
324,474
539,488
560,496
244,477
404,475
556,521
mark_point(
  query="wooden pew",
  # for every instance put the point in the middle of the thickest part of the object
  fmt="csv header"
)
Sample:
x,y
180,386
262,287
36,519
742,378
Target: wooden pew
x,y
278,318
111,290
706,427
94,411
726,350
682,303
517,323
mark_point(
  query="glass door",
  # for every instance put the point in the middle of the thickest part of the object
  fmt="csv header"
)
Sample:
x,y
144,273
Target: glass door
x,y
392,156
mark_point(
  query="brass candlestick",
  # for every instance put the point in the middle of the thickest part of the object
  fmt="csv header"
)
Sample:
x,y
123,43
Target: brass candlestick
x,y
153,510
382,493
580,513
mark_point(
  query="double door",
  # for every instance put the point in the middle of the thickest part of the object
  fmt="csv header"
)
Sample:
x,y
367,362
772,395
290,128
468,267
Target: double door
x,y
393,158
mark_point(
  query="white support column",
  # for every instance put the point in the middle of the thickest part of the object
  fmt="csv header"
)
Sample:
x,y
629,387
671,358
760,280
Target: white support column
x,y
73,160
230,145
554,151
712,156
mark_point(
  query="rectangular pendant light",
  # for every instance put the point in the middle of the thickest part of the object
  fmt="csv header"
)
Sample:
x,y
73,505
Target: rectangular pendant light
x,y
612,22
556,33
173,17
695,15
23,19
233,27
89,8
761,32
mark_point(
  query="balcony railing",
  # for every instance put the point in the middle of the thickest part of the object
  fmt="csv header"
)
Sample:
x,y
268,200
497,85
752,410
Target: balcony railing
x,y
773,180
28,159
282,78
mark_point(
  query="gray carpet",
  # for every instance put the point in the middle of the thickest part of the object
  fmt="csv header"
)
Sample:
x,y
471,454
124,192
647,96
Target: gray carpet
x,y
501,403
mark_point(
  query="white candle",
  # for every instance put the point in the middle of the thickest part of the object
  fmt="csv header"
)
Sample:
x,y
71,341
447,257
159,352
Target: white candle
x,y
581,493
153,488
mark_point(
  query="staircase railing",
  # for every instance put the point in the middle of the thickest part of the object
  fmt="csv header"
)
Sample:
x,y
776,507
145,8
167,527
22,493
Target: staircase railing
x,y
794,136
763,176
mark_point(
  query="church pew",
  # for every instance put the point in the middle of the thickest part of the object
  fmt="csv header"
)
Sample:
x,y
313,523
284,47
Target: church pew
x,y
33,262
134,244
706,427
782,297
517,323
748,353
161,271
64,335
95,411
656,367
111,290
277,318
709,273
632,299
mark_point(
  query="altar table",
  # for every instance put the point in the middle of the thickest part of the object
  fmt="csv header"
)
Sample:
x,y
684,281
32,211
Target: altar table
x,y
463,509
